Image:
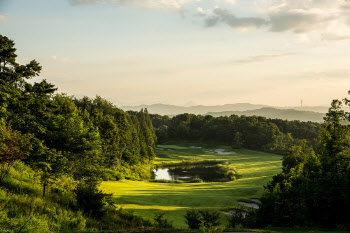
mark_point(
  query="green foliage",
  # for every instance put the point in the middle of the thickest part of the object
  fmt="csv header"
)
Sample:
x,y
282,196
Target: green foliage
x,y
207,219
237,141
161,221
313,188
24,224
257,133
193,219
229,172
90,199
212,229
210,218
126,139
23,207
67,143
13,146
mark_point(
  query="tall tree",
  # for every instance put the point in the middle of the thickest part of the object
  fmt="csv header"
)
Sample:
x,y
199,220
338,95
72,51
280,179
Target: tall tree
x,y
314,189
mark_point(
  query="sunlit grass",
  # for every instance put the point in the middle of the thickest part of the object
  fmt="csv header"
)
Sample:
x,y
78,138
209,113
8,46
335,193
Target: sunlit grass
x,y
147,198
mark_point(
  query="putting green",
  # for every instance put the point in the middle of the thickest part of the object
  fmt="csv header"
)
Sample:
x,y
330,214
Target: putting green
x,y
147,198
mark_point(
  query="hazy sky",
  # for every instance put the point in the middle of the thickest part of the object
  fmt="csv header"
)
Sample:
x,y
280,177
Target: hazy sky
x,y
274,52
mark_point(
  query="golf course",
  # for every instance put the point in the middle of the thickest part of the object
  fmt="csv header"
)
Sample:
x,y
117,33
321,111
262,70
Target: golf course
x,y
145,198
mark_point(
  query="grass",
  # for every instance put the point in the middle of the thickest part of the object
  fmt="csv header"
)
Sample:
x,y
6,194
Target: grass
x,y
147,198
24,209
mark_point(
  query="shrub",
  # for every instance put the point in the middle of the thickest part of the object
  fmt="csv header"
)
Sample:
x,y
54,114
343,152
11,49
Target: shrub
x,y
90,199
210,218
162,222
207,218
28,224
193,219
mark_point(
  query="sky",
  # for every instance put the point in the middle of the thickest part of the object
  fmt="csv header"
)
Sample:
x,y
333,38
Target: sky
x,y
187,52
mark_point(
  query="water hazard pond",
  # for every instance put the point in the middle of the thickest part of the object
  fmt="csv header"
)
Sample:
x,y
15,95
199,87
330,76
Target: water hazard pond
x,y
205,173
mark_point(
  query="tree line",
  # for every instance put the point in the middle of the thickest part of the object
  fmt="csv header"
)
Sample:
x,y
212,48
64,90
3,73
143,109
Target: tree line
x,y
252,132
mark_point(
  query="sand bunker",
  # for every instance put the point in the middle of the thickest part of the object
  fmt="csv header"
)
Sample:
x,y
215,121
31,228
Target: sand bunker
x,y
197,147
252,205
234,212
255,200
221,152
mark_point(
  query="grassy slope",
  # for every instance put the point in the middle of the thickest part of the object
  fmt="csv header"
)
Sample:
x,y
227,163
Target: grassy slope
x,y
255,168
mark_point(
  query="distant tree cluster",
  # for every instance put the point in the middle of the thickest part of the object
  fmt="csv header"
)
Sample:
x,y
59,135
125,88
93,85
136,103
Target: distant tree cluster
x,y
253,132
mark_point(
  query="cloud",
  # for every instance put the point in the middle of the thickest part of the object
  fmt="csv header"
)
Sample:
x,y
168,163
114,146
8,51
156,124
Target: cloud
x,y
225,16
162,4
2,17
86,2
297,21
330,19
260,58
300,16
326,17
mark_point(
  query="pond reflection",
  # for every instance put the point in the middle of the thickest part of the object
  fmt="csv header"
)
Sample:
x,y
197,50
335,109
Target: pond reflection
x,y
206,173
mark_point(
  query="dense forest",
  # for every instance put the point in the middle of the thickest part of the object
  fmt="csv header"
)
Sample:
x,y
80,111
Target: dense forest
x,y
257,133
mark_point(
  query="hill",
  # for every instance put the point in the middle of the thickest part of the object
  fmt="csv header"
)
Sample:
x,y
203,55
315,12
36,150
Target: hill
x,y
306,113
268,112
165,109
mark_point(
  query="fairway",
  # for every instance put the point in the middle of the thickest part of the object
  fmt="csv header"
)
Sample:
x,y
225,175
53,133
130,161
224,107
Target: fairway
x,y
146,198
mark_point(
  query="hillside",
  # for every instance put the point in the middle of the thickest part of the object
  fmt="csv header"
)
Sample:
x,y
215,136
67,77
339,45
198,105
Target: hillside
x,y
306,113
165,109
285,114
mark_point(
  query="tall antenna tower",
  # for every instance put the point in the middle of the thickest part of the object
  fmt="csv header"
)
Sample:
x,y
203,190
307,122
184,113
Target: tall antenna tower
x,y
301,103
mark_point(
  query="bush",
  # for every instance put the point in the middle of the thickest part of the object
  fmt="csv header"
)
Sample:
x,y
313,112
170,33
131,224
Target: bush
x,y
90,199
210,218
193,219
162,222
28,224
207,218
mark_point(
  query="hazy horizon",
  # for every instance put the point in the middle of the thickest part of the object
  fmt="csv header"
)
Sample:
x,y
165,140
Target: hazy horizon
x,y
221,104
187,52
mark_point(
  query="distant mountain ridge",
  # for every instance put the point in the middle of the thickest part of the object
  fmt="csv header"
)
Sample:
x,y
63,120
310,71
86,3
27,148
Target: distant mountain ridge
x,y
269,112
307,113
165,109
